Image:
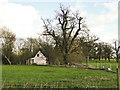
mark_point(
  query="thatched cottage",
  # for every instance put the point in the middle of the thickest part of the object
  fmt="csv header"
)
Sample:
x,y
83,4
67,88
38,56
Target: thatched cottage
x,y
39,59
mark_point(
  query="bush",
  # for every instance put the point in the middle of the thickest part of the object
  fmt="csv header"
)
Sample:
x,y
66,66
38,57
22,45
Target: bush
x,y
76,57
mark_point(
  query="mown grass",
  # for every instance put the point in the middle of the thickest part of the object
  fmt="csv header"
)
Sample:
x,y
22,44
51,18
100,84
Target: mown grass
x,y
102,63
20,76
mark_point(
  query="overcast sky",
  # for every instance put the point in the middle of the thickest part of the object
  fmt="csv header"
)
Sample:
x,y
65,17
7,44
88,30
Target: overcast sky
x,y
24,18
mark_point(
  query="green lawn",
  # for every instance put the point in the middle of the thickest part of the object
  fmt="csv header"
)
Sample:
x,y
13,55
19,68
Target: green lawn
x,y
99,64
55,77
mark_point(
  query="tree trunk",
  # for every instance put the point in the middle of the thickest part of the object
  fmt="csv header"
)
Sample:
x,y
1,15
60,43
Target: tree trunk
x,y
87,60
6,58
99,58
105,58
117,59
109,59
65,59
102,57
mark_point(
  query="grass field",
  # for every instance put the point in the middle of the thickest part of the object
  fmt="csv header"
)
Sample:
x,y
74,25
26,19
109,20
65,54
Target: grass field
x,y
99,64
20,76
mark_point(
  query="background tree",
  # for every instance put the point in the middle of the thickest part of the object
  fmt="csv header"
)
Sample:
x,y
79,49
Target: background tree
x,y
87,43
116,48
108,51
29,48
99,50
8,38
93,53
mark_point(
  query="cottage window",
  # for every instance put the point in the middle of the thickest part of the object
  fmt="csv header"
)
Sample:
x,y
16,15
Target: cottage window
x,y
37,55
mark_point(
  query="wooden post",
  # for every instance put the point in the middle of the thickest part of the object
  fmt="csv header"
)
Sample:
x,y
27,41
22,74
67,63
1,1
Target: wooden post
x,y
118,76
118,71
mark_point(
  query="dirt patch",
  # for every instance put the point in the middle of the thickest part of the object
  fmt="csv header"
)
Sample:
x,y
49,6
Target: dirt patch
x,y
48,71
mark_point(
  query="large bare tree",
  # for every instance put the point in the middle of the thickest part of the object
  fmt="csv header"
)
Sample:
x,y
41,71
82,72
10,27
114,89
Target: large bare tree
x,y
65,29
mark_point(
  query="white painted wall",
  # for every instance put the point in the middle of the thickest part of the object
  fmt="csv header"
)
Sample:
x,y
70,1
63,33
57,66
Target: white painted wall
x,y
39,59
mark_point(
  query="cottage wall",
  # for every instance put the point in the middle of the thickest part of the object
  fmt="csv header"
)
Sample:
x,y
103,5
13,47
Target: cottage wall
x,y
39,59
